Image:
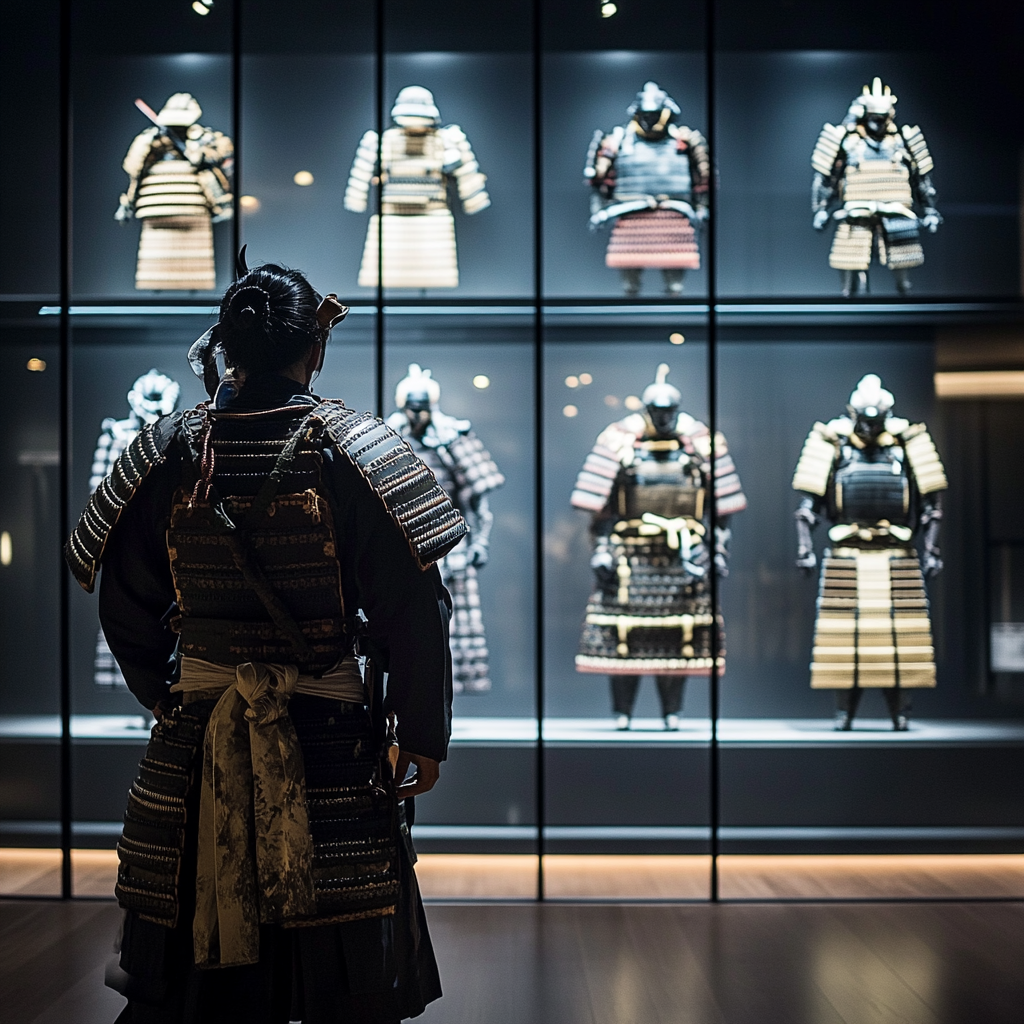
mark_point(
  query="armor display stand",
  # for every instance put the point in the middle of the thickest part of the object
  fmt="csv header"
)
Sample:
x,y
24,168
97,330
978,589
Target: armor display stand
x,y
179,186
466,471
646,483
878,479
650,180
868,177
417,161
153,395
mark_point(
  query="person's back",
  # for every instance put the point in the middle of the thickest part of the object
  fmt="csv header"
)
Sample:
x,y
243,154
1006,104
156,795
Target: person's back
x,y
258,538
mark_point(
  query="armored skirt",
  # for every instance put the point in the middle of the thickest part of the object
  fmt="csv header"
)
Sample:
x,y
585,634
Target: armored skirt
x,y
368,967
470,658
419,251
176,244
653,238
873,629
656,617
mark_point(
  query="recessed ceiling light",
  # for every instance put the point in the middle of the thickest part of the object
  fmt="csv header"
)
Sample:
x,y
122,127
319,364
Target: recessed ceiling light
x,y
303,178
481,381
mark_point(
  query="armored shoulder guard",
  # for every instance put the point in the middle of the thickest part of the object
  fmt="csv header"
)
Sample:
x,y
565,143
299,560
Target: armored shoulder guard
x,y
816,460
408,490
914,138
84,549
924,459
823,159
612,450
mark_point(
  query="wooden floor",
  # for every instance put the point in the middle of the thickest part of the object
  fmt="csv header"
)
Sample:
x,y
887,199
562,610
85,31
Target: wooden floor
x,y
933,963
597,877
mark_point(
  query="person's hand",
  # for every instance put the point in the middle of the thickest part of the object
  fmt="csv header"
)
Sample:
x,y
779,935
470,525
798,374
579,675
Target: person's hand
x,y
477,555
427,773
931,220
932,564
821,218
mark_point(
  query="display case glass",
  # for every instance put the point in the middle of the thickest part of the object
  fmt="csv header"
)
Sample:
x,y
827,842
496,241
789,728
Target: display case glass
x,y
543,214
30,524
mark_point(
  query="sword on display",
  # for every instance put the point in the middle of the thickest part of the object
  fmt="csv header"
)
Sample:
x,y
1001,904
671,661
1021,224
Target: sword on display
x,y
164,130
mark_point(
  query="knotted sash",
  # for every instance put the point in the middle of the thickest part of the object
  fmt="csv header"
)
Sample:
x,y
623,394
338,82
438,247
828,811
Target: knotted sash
x,y
255,854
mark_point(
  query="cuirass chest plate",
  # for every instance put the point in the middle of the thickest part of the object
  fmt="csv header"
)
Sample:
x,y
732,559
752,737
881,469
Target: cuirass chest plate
x,y
652,169
869,491
669,487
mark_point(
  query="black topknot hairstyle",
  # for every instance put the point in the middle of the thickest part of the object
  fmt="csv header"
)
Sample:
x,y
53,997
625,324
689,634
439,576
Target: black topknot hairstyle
x,y
268,319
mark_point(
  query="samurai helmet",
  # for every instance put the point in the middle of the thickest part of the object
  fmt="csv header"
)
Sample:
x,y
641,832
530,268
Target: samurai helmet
x,y
414,104
661,394
651,99
180,110
418,387
153,395
870,400
876,100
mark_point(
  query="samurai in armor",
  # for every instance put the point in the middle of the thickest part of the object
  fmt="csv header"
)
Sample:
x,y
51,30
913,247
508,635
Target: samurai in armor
x,y
646,483
466,471
650,180
417,162
153,395
868,177
879,481
179,185
267,557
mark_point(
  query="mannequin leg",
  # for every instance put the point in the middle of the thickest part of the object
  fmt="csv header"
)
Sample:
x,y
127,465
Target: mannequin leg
x,y
846,708
670,690
673,280
902,278
898,702
624,690
631,280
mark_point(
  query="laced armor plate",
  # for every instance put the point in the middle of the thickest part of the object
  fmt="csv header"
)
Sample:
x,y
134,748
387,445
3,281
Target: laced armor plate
x,y
667,487
868,491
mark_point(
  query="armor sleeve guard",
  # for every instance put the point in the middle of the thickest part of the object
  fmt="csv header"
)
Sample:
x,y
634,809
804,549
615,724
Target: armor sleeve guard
x,y
924,460
826,150
914,138
814,468
84,549
364,167
410,494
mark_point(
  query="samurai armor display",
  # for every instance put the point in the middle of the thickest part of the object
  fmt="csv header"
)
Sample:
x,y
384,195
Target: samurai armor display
x,y
179,186
417,163
650,612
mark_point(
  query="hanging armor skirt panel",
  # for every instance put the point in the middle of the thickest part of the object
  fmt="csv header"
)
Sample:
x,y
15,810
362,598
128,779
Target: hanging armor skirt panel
x,y
419,251
899,245
656,620
873,628
351,820
653,238
470,658
176,254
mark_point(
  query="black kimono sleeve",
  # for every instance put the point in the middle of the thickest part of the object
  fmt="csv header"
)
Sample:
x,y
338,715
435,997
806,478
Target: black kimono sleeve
x,y
137,590
407,611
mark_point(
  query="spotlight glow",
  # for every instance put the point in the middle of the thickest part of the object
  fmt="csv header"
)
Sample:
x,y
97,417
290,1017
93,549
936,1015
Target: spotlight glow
x,y
634,403
570,411
676,339
249,203
611,401
572,382
481,381
6,549
303,178
36,365
608,10
586,379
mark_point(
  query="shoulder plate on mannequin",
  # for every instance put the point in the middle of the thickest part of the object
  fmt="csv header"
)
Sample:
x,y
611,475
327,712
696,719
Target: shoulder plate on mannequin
x,y
924,459
410,494
84,549
826,149
814,467
914,138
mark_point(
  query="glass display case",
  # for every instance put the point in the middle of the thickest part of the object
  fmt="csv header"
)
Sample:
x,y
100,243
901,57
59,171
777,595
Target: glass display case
x,y
544,206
